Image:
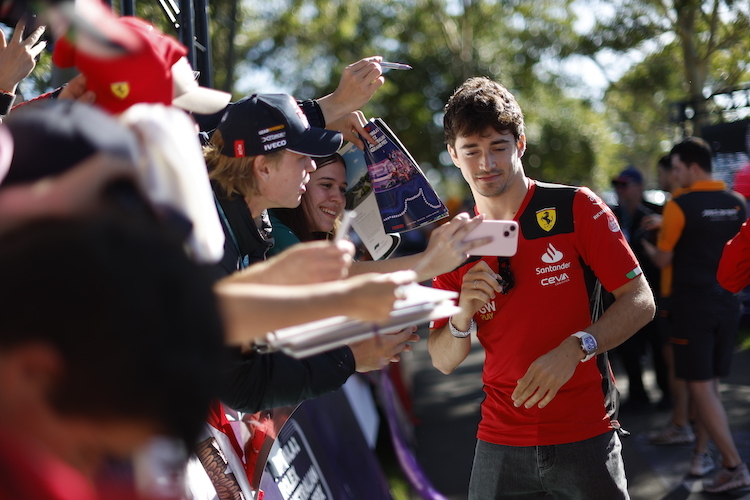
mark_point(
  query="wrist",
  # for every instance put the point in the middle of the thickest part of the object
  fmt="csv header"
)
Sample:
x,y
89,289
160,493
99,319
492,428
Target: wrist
x,y
462,329
587,345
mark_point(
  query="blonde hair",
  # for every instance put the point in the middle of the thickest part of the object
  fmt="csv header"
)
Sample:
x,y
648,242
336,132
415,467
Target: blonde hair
x,y
235,175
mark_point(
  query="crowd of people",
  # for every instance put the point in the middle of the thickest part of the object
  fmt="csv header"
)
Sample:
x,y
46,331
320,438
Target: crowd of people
x,y
151,232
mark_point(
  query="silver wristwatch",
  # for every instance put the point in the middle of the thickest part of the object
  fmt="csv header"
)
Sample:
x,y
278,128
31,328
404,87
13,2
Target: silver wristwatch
x,y
458,333
588,345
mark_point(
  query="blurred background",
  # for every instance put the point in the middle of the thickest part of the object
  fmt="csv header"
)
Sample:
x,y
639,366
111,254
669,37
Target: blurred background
x,y
603,84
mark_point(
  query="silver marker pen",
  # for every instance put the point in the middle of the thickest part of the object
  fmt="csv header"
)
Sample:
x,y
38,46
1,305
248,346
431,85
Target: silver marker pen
x,y
394,65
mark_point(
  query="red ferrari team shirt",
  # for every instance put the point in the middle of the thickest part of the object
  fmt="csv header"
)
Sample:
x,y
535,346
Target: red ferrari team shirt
x,y
568,238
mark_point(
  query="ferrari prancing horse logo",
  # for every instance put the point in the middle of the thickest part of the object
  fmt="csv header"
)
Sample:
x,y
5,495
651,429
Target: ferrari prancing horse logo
x,y
120,89
546,218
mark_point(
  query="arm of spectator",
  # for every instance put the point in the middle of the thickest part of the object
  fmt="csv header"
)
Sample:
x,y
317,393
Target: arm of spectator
x,y
301,264
445,251
660,258
75,90
18,57
632,309
351,127
358,83
734,266
251,310
478,287
376,352
651,222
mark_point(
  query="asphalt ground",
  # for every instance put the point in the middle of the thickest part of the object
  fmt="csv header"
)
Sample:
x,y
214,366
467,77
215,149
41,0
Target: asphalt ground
x,y
446,413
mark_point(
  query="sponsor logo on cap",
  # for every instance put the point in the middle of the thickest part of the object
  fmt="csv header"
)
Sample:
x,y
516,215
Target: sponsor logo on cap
x,y
273,137
239,148
270,129
274,145
120,89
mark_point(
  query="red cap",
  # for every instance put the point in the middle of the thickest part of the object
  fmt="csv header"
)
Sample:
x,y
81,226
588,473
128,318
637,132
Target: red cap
x,y
143,74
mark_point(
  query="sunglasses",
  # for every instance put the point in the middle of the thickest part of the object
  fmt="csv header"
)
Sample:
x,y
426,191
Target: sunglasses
x,y
620,184
505,276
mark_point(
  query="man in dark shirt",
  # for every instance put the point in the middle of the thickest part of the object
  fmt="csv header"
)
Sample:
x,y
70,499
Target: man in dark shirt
x,y
630,211
695,227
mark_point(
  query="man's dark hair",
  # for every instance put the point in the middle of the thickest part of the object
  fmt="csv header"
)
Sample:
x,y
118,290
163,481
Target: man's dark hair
x,y
133,319
665,163
694,150
478,104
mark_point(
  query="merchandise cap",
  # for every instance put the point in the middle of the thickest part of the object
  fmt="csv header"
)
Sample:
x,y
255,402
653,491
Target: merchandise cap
x,y
630,175
51,136
263,123
155,71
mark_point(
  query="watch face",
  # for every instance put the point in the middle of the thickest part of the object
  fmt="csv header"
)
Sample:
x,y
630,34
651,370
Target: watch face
x,y
589,343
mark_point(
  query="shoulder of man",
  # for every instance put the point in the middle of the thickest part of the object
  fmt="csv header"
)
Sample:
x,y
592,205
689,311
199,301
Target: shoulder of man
x,y
549,212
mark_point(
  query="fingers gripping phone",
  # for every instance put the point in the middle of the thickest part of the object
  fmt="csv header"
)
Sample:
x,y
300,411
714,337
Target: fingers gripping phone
x,y
504,234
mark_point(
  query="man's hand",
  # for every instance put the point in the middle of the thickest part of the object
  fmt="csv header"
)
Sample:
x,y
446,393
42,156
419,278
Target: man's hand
x,y
651,222
18,58
447,249
359,81
370,297
351,127
376,352
547,374
76,90
480,285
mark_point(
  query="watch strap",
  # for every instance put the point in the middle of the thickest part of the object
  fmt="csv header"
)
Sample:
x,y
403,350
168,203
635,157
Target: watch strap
x,y
460,334
580,336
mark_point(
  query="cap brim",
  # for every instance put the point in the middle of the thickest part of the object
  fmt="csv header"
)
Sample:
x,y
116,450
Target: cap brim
x,y
203,100
317,142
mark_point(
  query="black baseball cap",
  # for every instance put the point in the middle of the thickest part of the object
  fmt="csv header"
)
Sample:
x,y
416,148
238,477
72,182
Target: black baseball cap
x,y
263,123
51,136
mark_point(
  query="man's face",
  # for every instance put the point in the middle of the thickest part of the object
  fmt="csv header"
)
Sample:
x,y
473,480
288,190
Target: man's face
x,y
288,179
628,192
665,179
490,162
682,173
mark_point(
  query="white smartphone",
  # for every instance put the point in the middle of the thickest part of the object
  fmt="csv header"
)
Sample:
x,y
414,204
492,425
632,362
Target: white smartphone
x,y
504,234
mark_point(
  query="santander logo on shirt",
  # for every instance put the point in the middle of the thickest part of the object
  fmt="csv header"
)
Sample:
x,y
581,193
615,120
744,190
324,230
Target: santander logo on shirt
x,y
552,255
555,273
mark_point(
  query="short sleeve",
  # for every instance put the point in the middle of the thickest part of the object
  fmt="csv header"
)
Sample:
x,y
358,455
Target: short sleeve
x,y
672,224
734,267
449,281
601,243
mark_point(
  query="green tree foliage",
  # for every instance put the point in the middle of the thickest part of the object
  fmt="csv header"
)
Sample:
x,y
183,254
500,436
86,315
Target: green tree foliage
x,y
690,49
306,44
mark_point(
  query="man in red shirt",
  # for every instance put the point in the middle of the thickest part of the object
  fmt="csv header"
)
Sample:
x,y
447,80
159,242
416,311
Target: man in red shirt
x,y
545,427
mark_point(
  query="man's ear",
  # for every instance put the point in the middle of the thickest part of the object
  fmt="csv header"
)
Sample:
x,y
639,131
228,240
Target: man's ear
x,y
262,168
521,145
452,152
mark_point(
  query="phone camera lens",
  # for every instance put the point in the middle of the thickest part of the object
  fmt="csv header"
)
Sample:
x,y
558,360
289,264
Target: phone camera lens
x,y
512,228
506,234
